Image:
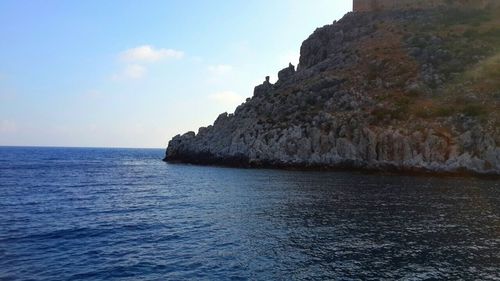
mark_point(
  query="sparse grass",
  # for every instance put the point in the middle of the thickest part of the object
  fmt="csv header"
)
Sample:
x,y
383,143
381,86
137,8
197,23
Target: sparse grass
x,y
398,110
488,34
492,35
474,110
436,111
472,74
473,17
440,109
463,49
487,72
417,91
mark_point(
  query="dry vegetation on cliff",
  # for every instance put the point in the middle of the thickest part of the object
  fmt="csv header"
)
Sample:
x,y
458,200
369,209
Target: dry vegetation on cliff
x,y
411,90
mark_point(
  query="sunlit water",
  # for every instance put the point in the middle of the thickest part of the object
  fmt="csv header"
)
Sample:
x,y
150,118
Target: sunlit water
x,y
122,214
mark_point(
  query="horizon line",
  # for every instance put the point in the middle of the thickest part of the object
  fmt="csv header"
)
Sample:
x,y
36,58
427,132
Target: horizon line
x,y
96,147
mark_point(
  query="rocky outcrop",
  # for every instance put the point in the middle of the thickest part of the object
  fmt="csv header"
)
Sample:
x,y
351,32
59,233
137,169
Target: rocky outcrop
x,y
372,91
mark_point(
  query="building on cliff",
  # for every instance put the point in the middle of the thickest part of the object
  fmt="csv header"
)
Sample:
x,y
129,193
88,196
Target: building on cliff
x,y
381,5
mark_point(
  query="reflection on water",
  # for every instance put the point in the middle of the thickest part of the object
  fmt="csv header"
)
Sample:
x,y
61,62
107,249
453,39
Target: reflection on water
x,y
108,214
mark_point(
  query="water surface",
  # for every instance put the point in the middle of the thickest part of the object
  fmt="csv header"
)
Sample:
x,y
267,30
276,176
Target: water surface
x,y
122,214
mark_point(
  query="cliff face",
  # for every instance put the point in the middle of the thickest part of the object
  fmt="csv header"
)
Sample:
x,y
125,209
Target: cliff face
x,y
415,91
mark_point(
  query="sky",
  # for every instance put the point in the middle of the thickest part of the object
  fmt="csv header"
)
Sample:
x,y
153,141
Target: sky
x,y
120,73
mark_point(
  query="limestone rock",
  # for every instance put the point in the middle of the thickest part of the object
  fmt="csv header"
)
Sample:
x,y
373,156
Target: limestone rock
x,y
348,106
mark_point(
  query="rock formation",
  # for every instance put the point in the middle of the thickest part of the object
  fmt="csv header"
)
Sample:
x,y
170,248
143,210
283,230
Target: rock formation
x,y
392,90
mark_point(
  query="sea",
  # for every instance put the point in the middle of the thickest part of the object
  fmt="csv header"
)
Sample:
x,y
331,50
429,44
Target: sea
x,y
123,214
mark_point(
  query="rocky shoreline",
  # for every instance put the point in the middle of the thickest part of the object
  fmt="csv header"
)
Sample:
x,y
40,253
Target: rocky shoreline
x,y
374,91
461,165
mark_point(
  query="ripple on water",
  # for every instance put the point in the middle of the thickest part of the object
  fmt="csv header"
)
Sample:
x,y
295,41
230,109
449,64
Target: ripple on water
x,y
122,214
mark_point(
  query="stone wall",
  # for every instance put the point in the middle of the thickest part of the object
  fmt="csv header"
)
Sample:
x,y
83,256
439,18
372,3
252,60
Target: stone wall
x,y
381,5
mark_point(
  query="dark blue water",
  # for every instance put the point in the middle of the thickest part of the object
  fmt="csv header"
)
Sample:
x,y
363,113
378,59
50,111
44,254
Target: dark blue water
x,y
122,214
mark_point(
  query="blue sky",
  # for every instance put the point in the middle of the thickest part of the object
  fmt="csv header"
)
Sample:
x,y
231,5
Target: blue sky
x,y
136,73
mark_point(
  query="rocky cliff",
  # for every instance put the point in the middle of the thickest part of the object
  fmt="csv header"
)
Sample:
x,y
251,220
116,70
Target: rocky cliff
x,y
398,90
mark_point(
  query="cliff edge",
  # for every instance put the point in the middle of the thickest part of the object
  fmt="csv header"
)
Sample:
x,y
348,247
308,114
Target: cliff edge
x,y
391,90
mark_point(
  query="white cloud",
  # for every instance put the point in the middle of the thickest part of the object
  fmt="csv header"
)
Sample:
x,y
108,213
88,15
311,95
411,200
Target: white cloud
x,y
147,53
130,72
137,57
228,99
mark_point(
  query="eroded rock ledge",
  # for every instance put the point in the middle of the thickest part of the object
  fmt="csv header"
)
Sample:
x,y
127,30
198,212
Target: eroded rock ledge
x,y
379,91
